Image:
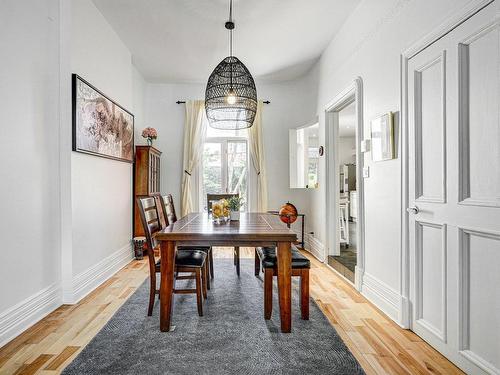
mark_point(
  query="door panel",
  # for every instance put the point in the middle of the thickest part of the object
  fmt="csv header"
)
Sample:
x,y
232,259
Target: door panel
x,y
430,86
480,95
454,185
430,304
479,302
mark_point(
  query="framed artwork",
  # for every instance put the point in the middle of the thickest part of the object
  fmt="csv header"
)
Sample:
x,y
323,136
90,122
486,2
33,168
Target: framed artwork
x,y
101,126
382,138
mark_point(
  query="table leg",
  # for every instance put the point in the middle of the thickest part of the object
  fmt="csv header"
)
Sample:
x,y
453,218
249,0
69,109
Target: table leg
x,y
237,259
167,253
284,256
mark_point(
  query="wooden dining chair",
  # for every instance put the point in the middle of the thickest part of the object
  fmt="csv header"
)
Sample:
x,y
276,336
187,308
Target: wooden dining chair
x,y
186,261
217,197
266,256
170,217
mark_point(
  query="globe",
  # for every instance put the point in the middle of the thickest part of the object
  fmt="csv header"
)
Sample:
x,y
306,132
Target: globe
x,y
288,213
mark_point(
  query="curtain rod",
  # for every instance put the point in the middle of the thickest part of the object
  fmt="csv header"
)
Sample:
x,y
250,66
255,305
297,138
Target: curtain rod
x,y
182,102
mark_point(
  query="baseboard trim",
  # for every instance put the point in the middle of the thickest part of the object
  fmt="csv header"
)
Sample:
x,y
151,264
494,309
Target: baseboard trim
x,y
376,291
315,247
90,279
382,296
26,313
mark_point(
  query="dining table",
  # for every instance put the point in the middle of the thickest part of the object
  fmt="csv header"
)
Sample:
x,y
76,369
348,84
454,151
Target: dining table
x,y
252,230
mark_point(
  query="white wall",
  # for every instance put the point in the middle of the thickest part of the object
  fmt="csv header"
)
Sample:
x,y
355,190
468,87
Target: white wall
x,y
368,45
101,189
138,92
29,174
292,105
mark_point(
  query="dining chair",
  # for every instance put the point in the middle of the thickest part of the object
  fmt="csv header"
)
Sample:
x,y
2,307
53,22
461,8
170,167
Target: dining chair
x,y
266,256
217,197
170,217
186,261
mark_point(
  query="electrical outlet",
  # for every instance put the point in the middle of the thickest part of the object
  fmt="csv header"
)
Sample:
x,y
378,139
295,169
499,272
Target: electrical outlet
x,y
366,172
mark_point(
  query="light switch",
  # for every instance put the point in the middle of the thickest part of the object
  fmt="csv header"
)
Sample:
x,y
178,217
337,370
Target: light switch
x,y
366,172
365,145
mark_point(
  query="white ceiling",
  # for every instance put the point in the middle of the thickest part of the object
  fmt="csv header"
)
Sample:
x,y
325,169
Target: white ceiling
x,y
347,121
183,40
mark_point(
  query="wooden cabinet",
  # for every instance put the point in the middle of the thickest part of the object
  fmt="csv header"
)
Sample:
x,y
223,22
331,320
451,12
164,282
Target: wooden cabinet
x,y
146,179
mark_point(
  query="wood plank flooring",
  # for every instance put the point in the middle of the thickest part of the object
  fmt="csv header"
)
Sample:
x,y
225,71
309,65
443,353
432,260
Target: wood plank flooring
x,y
380,345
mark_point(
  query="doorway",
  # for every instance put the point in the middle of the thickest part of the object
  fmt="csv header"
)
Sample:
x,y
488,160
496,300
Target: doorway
x,y
345,262
345,213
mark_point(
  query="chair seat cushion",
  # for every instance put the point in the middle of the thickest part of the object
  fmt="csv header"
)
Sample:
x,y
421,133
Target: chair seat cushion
x,y
187,258
194,247
268,258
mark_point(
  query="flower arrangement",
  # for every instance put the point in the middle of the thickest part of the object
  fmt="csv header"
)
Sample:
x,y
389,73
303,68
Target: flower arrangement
x,y
220,210
149,134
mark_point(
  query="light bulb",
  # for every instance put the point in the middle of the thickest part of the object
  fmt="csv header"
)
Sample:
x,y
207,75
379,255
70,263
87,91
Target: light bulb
x,y
231,97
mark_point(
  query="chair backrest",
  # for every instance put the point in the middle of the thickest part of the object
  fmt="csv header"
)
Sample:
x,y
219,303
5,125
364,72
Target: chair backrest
x,y
150,221
215,197
168,208
159,209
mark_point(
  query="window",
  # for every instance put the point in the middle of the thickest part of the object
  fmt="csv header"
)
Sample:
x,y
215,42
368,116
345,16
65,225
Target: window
x,y
224,165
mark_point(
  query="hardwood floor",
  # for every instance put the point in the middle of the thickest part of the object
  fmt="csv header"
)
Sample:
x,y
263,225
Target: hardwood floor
x,y
380,345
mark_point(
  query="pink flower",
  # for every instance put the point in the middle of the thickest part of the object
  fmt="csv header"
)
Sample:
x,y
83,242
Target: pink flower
x,y
149,133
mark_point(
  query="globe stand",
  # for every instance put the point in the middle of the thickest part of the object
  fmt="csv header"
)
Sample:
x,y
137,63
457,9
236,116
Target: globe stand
x,y
302,225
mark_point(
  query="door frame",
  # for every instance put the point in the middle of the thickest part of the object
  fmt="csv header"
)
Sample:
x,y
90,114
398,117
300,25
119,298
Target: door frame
x,y
351,94
447,26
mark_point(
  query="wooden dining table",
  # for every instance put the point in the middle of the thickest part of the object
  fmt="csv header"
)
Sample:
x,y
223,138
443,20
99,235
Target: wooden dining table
x,y
253,229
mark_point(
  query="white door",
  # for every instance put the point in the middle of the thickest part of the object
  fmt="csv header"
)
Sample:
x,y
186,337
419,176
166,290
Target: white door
x,y
454,193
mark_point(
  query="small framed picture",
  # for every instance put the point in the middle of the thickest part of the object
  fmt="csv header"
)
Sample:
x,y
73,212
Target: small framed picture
x,y
382,142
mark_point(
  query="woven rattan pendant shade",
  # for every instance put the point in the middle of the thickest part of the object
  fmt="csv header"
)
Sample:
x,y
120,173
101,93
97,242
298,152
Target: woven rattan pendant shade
x,y
231,73
230,96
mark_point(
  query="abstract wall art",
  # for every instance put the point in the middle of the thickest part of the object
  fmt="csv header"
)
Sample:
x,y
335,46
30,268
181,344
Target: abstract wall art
x,y
101,126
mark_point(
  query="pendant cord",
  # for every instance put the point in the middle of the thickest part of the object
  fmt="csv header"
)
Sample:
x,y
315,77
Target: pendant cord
x,y
231,42
231,30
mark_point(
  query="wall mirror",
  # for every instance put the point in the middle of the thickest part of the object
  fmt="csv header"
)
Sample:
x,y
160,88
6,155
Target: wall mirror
x,y
304,156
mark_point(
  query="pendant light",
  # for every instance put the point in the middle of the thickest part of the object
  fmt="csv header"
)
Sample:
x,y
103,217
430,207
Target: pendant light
x,y
230,96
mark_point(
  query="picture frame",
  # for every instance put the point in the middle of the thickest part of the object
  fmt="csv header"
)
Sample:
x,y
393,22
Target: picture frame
x,y
382,137
101,127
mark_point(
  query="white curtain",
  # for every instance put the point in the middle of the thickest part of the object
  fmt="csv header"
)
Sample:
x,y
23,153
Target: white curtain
x,y
256,145
194,135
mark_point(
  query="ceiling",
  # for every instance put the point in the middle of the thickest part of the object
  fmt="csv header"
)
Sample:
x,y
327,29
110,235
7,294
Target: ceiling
x,y
183,40
347,121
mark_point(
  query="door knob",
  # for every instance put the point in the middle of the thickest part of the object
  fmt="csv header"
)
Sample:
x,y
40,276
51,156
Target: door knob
x,y
413,210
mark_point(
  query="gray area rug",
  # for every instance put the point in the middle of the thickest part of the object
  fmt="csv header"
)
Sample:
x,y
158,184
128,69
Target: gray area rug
x,y
232,336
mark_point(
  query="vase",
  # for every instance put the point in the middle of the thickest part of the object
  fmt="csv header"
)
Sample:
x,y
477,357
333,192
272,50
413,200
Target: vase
x,y
235,215
150,141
